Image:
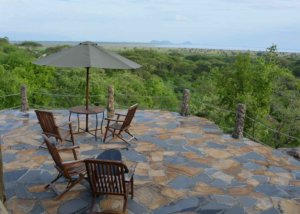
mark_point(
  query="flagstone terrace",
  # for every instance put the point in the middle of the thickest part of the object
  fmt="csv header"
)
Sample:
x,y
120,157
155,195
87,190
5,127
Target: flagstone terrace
x,y
184,165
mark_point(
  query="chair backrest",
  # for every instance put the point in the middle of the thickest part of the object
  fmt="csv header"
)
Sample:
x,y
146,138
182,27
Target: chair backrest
x,y
106,177
129,116
54,154
47,122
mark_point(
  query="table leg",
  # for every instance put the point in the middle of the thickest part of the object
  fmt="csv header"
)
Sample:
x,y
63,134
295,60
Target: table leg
x,y
87,123
96,126
70,116
102,122
78,122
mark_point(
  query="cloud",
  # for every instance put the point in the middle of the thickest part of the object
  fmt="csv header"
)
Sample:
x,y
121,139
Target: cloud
x,y
181,18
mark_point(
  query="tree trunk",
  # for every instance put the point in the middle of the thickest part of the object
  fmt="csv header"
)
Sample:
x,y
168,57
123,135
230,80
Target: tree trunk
x,y
240,121
185,102
110,102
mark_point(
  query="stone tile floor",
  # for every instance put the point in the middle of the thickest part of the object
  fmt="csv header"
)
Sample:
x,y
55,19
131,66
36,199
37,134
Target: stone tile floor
x,y
184,165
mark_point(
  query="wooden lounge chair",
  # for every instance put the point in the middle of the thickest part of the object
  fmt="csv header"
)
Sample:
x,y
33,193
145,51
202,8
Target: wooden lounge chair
x,y
74,171
50,129
107,177
119,126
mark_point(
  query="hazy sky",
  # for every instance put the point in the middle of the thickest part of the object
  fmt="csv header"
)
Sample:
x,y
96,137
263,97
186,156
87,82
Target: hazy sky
x,y
208,23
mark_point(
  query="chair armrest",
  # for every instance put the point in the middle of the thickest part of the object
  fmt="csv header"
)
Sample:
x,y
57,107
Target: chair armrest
x,y
72,162
76,166
120,114
110,119
68,148
65,123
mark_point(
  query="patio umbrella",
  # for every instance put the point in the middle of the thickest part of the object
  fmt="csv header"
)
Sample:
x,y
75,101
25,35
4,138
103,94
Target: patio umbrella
x,y
87,55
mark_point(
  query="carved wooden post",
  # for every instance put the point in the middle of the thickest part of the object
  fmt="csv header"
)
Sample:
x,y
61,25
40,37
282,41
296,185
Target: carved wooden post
x,y
240,121
185,102
24,101
110,102
2,190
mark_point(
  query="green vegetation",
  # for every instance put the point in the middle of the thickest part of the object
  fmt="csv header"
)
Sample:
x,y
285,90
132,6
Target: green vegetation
x,y
267,82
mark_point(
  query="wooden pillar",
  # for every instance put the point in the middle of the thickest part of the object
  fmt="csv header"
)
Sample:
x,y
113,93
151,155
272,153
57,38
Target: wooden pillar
x,y
185,102
240,121
110,102
2,190
24,100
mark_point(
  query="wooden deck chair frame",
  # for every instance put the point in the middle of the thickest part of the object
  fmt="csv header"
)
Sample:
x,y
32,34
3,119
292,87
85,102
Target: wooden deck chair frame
x,y
119,126
107,177
73,171
51,129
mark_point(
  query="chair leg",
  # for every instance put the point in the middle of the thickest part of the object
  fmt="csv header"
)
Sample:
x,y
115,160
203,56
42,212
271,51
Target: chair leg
x,y
53,181
131,187
92,205
70,185
125,204
104,138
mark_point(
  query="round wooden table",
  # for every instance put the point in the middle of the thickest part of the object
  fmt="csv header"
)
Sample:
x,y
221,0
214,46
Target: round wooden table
x,y
93,110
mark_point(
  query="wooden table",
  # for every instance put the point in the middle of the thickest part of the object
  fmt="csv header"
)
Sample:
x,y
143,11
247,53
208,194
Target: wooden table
x,y
92,110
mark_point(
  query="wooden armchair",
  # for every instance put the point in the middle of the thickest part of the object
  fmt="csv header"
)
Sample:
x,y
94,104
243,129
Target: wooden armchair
x,y
51,129
73,171
118,126
107,177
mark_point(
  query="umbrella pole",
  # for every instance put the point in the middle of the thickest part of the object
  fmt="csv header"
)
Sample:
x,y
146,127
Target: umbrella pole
x,y
87,99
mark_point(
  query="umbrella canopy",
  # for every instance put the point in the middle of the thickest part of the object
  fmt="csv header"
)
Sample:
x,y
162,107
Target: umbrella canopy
x,y
87,55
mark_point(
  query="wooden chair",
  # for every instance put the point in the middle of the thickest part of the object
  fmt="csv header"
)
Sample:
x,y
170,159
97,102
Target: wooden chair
x,y
119,126
50,129
107,177
74,171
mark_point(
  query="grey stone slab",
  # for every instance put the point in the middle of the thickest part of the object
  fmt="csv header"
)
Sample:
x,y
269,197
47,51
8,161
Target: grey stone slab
x,y
170,126
210,171
42,152
8,157
293,161
44,195
214,145
211,211
182,182
10,190
14,175
193,135
276,169
215,206
235,210
247,201
38,209
91,153
133,156
236,183
296,174
279,153
22,192
292,191
135,207
219,184
252,166
250,156
36,177
22,146
73,206
183,205
203,178
271,190
224,199
261,178
270,211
